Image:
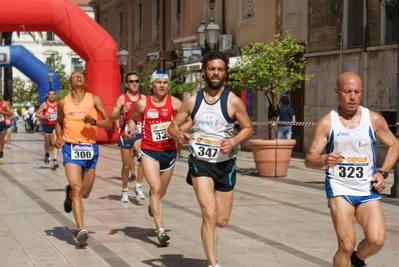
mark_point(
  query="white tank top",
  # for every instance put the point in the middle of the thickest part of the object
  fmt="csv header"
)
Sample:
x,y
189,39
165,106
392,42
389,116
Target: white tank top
x,y
354,172
211,123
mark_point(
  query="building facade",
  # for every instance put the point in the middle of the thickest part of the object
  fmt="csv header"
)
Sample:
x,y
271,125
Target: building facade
x,y
351,35
156,28
340,35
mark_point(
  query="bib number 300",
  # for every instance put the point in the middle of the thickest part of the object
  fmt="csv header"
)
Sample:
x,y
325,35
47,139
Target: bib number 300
x,y
82,151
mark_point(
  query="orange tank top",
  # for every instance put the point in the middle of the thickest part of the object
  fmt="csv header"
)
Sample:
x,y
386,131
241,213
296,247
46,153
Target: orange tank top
x,y
75,130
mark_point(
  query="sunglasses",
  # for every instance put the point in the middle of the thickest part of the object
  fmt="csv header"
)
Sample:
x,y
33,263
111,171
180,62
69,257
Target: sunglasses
x,y
133,81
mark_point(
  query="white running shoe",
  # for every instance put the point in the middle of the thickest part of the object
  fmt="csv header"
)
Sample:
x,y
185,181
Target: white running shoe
x,y
82,237
124,196
139,192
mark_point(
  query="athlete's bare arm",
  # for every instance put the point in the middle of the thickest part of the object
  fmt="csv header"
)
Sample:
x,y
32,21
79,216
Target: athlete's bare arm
x,y
59,126
182,121
116,111
314,158
105,123
137,112
237,111
39,112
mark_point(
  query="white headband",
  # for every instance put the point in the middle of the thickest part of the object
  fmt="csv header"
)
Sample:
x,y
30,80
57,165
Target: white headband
x,y
159,74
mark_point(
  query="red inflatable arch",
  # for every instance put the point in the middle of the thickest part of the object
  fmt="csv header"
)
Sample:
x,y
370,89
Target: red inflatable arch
x,y
83,35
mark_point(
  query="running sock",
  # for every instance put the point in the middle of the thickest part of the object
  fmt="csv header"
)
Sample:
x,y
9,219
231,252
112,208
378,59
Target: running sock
x,y
356,261
137,184
125,189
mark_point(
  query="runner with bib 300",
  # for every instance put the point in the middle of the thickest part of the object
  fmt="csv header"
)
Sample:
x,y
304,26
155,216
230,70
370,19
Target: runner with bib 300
x,y
76,130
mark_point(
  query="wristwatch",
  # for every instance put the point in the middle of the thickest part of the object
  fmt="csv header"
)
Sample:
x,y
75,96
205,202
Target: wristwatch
x,y
384,174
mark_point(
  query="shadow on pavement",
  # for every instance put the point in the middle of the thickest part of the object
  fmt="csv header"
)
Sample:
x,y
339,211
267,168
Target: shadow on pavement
x,y
175,260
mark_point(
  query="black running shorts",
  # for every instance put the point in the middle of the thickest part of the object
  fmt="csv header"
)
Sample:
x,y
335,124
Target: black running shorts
x,y
222,173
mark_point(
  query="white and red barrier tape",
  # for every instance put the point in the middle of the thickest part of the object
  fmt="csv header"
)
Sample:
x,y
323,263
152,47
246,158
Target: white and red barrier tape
x,y
298,123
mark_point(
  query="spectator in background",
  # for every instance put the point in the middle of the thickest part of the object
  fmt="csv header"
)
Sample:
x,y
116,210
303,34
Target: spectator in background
x,y
29,119
15,119
286,114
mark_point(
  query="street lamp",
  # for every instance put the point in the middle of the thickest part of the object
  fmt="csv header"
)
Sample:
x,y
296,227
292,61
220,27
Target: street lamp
x,y
200,34
121,58
78,66
207,37
392,11
50,78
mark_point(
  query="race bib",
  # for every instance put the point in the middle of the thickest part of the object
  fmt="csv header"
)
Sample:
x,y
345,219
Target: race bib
x,y
82,151
53,116
206,148
158,131
152,114
8,121
351,167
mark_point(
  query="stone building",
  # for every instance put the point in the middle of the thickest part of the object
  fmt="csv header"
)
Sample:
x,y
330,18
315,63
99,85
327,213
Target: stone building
x,y
340,35
155,28
351,35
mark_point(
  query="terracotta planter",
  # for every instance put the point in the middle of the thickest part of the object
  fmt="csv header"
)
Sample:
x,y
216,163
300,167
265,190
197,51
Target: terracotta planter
x,y
272,157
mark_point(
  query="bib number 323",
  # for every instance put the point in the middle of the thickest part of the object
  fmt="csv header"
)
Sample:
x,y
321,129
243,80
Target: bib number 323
x,y
82,151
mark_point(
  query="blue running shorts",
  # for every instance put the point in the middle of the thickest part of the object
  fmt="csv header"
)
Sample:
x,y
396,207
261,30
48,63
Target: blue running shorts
x,y
89,163
3,126
166,159
126,144
48,128
357,200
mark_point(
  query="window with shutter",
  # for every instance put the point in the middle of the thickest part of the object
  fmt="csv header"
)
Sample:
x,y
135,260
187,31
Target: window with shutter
x,y
355,23
391,31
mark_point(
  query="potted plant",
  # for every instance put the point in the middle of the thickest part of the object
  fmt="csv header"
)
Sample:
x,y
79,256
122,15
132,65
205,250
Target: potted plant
x,y
275,69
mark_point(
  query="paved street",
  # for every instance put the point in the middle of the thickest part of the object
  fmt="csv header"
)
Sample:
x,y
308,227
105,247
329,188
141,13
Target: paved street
x,y
275,222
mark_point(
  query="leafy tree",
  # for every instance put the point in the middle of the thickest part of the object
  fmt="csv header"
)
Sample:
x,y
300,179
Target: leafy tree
x,y
277,68
178,85
177,82
54,62
33,91
20,94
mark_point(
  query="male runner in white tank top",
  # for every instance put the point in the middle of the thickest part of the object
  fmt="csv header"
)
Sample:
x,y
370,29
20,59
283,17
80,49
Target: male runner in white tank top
x,y
213,111
348,134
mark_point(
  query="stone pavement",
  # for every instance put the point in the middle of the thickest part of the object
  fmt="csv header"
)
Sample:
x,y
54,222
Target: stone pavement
x,y
275,221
